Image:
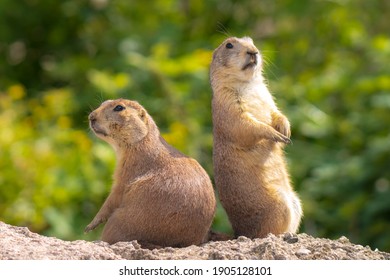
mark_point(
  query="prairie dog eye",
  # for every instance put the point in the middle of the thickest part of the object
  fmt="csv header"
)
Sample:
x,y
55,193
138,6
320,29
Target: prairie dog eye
x,y
229,45
119,108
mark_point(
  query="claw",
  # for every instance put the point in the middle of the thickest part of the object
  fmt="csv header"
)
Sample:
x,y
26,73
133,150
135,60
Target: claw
x,y
87,229
91,226
281,138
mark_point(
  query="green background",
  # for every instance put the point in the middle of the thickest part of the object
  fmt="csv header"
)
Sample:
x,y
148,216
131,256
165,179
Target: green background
x,y
327,63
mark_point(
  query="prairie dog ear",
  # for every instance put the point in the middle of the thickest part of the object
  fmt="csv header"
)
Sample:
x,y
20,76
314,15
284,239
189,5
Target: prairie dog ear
x,y
142,114
214,55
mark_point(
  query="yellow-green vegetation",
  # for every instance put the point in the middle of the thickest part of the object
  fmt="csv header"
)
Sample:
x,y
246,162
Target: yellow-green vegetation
x,y
327,63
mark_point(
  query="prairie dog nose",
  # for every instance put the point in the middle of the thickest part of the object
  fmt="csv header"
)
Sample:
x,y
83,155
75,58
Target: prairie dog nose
x,y
253,56
252,53
92,117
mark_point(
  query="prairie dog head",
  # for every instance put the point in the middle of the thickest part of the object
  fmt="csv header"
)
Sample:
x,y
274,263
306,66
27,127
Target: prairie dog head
x,y
236,60
120,122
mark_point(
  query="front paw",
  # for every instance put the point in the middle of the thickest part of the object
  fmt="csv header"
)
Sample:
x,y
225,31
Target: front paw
x,y
92,225
281,124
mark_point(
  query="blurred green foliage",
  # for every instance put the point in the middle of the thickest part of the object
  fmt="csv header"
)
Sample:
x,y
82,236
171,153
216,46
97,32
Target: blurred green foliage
x,y
328,65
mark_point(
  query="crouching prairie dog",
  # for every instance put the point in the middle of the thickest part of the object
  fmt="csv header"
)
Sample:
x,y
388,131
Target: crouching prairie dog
x,y
249,134
159,196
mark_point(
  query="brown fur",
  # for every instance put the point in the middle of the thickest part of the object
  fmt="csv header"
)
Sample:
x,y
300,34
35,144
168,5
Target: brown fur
x,y
159,195
249,134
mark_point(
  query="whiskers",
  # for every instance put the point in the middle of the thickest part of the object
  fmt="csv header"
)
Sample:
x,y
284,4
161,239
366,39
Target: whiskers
x,y
223,30
99,99
267,63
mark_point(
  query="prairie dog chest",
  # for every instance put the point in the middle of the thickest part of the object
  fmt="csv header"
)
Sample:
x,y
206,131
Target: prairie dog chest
x,y
257,101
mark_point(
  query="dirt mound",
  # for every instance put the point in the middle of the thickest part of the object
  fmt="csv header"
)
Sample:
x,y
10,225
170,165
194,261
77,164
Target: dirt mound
x,y
20,243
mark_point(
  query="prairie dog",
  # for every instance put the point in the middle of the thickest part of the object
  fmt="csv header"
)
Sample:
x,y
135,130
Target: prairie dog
x,y
159,196
249,134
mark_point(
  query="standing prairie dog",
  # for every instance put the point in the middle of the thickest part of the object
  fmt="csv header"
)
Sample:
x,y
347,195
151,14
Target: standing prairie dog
x,y
159,196
249,133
